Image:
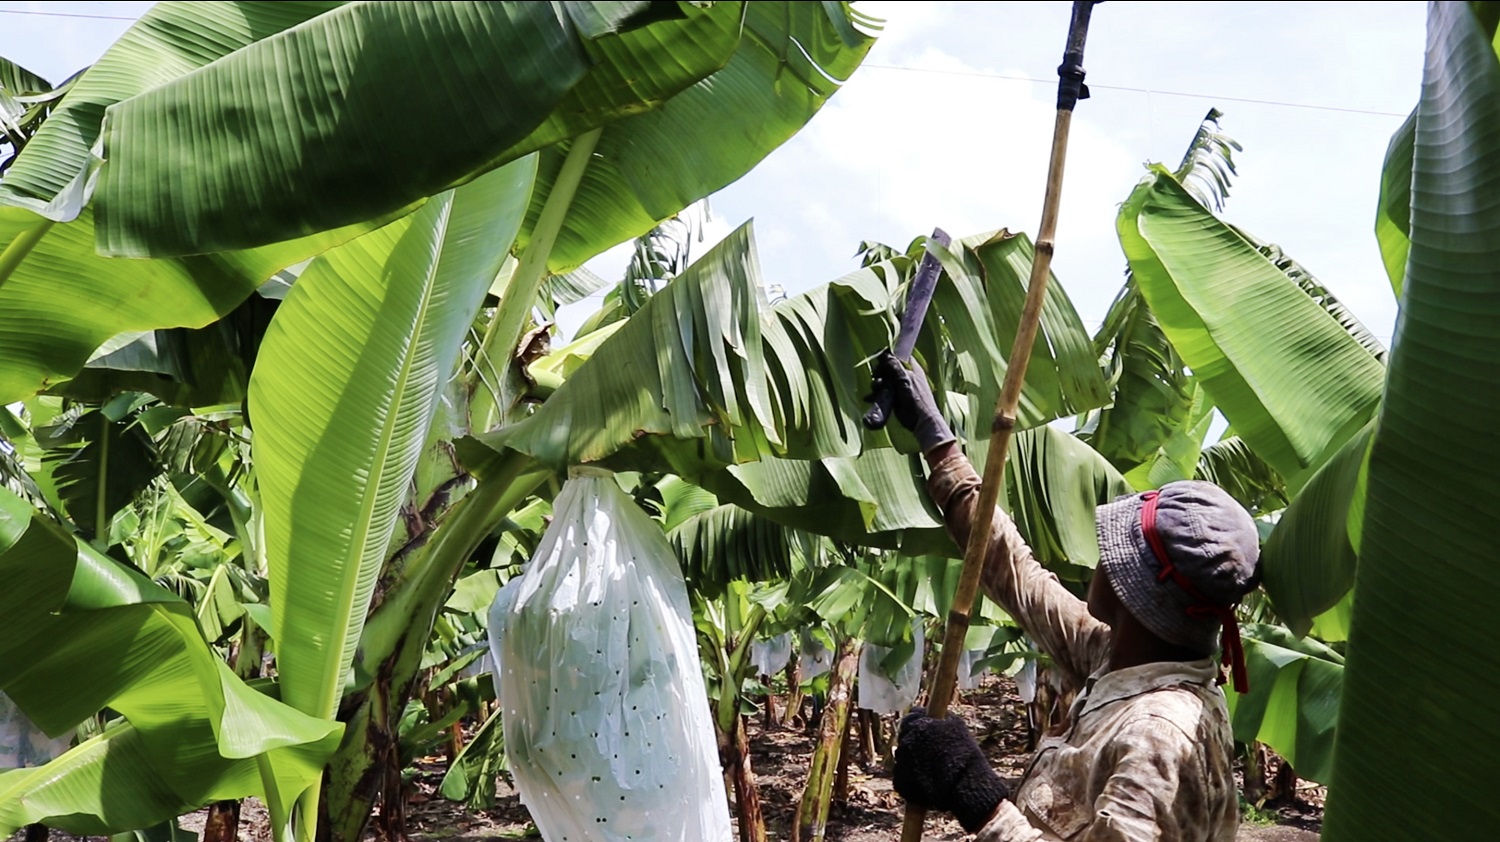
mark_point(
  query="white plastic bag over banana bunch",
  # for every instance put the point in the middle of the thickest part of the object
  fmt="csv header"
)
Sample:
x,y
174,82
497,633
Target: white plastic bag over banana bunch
x,y
606,721
770,656
885,691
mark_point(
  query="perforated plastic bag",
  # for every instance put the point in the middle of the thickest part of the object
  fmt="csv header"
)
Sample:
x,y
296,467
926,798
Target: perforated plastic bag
x,y
606,721
770,656
890,692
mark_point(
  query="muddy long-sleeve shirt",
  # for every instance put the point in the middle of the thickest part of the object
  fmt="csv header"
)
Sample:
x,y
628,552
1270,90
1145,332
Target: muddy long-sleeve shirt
x,y
1147,752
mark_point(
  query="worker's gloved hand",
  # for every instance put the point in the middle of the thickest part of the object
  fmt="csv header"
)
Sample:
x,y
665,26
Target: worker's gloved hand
x,y
939,767
913,403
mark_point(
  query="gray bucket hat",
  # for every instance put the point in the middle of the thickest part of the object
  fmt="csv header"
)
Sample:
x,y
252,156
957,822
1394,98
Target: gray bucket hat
x,y
1211,543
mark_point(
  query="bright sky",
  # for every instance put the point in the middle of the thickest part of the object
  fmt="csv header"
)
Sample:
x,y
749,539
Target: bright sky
x,y
949,123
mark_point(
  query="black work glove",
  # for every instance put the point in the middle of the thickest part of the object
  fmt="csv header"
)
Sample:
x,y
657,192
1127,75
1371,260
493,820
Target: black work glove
x,y
939,767
911,400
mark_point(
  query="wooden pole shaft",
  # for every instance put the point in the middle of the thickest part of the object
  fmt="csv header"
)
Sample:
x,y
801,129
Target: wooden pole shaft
x,y
941,688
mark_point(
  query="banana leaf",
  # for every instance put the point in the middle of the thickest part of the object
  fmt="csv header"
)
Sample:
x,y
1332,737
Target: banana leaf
x,y
88,633
59,301
1415,707
790,58
346,387
307,112
1293,703
761,406
1309,560
1292,381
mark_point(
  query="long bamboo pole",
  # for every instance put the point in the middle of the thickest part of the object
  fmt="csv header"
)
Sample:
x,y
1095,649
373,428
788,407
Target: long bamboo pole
x,y
1070,89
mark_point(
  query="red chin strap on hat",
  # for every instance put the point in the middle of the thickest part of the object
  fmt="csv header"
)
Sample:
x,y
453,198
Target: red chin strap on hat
x,y
1234,652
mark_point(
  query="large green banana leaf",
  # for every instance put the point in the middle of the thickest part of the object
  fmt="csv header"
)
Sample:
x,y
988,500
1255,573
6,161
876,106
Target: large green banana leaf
x,y
108,784
1292,381
341,400
308,112
1309,560
1419,691
84,633
59,301
791,57
171,40
1293,703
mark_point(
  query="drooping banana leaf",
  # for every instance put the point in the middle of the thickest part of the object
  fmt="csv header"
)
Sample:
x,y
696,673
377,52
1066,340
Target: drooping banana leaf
x,y
471,775
1293,703
171,40
18,116
727,543
1054,481
59,301
1291,380
789,59
980,300
87,633
1153,427
1153,391
762,406
1413,688
341,400
307,112
97,464
1309,560
1234,467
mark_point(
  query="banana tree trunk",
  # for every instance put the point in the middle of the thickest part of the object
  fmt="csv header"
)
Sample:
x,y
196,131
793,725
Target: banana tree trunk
x,y
366,770
846,752
812,813
222,823
793,691
734,756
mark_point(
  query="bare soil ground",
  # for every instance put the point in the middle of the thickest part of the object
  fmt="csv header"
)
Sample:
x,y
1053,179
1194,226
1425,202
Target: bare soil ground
x,y
871,813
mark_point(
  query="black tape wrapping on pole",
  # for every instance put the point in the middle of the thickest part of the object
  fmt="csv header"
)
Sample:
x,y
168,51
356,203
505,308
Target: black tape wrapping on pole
x,y
1070,86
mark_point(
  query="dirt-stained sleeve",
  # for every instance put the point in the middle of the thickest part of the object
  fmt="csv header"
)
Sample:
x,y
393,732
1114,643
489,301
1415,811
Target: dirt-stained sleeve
x,y
1057,620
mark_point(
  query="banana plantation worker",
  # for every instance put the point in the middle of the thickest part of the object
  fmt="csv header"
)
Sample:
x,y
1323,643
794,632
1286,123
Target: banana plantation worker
x,y
1147,750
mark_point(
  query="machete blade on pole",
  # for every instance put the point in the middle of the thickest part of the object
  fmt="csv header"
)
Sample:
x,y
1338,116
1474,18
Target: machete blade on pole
x,y
917,299
1070,89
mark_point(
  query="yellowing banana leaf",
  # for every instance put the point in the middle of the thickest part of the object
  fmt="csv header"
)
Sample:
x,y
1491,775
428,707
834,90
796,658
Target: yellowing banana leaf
x,y
1418,695
1292,381
88,633
341,400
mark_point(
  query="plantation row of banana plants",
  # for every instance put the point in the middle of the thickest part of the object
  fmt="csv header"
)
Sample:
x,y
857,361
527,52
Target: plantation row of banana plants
x,y
281,412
